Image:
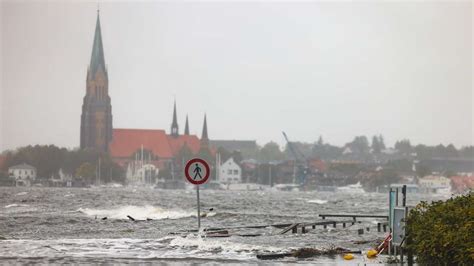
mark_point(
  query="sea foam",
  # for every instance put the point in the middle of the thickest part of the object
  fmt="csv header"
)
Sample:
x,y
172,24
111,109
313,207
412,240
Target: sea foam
x,y
139,212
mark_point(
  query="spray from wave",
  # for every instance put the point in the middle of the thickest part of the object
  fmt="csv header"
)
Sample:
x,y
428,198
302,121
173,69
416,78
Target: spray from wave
x,y
200,244
318,201
16,205
139,212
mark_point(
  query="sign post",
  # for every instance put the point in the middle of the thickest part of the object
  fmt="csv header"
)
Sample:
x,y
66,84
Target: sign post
x,y
197,172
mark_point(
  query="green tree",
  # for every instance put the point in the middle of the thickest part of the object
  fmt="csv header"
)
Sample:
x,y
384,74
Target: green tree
x,y
442,233
271,152
400,165
403,146
359,145
87,172
376,146
382,142
422,170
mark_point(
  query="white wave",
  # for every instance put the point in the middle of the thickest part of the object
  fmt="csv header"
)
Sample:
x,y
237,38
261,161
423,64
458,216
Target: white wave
x,y
214,245
16,205
21,193
139,213
318,201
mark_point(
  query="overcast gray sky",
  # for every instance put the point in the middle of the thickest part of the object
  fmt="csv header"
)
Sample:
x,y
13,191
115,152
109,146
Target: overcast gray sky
x,y
401,69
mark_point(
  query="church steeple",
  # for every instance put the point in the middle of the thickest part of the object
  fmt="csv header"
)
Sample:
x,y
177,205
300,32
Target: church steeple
x,y
204,136
96,118
186,126
97,57
174,124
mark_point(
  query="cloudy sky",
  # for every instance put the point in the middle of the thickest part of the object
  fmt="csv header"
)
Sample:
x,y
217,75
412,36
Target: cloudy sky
x,y
402,69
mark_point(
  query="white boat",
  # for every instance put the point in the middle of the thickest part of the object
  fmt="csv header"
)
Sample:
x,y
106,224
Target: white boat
x,y
353,188
286,187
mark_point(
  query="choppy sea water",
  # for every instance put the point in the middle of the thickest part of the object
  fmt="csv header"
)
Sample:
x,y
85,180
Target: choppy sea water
x,y
65,225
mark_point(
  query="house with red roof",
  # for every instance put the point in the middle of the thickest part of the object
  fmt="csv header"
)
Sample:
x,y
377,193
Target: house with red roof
x,y
462,184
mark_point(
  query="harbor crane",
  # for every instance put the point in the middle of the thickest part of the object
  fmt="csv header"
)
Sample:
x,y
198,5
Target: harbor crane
x,y
302,170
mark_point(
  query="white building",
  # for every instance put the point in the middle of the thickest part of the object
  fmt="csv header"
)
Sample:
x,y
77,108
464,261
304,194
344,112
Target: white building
x,y
230,172
24,174
435,184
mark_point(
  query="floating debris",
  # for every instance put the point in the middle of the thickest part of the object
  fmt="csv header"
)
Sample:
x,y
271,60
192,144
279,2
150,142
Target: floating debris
x,y
307,253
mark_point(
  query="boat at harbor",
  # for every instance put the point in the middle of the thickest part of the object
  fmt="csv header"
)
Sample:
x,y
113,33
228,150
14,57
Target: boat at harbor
x,y
353,189
286,187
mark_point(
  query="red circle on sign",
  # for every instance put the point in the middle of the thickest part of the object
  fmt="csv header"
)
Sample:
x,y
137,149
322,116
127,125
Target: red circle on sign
x,y
190,179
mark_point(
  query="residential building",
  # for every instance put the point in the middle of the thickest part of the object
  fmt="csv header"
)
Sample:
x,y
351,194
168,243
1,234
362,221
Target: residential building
x,y
435,184
24,174
229,172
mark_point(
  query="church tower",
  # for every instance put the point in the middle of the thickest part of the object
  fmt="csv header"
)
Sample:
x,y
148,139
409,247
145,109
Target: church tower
x,y
174,124
96,118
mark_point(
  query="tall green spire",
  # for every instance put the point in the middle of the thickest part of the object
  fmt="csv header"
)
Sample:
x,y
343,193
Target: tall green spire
x,y
97,57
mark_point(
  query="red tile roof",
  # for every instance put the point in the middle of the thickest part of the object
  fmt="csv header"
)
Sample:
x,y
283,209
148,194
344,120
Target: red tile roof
x,y
462,183
127,141
176,143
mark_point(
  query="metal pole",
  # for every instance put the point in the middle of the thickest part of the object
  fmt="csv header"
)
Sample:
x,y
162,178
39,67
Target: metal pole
x,y
396,197
390,220
404,192
270,167
199,208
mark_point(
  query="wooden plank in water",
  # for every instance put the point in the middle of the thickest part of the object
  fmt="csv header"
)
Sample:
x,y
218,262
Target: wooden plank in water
x,y
273,256
354,215
249,235
291,227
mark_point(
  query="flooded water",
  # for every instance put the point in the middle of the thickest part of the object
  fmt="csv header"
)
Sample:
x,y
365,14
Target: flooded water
x,y
63,225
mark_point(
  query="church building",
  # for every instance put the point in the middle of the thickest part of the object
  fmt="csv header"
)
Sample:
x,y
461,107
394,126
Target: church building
x,y
129,147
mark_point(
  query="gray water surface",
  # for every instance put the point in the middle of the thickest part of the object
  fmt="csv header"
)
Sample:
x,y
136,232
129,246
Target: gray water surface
x,y
64,225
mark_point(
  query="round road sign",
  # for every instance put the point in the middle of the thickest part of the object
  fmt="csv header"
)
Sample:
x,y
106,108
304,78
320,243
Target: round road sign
x,y
197,171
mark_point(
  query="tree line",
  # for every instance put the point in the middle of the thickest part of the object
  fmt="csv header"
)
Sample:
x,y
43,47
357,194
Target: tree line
x,y
363,149
80,163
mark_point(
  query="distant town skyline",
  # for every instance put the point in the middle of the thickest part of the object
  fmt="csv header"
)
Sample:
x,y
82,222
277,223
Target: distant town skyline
x,y
403,70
